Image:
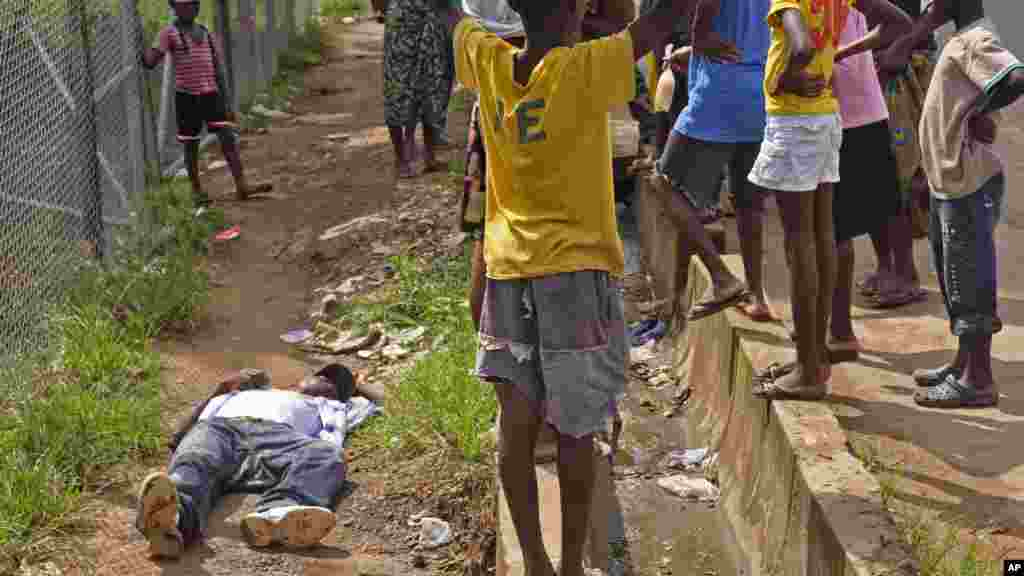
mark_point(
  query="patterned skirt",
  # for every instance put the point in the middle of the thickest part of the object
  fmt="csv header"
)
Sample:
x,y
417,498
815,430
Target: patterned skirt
x,y
418,65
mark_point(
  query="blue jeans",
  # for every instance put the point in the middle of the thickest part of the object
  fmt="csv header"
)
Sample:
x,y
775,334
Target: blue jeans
x,y
962,234
224,455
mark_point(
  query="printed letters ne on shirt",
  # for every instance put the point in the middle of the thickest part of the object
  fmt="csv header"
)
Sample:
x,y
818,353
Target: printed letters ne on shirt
x,y
526,119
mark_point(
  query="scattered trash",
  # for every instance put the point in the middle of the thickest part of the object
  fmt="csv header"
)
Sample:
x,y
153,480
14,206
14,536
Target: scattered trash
x,y
408,337
394,352
297,336
661,378
643,354
229,234
345,342
698,489
711,468
688,460
328,306
261,110
389,269
381,249
683,395
217,165
434,532
367,354
324,119
652,307
639,329
338,137
348,20
350,286
352,226
652,334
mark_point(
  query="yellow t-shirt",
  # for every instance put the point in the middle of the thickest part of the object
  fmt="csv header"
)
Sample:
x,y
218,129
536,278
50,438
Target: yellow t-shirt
x,y
825,20
550,196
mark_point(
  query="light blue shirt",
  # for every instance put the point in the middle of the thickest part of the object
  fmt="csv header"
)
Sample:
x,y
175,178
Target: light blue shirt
x,y
321,418
727,100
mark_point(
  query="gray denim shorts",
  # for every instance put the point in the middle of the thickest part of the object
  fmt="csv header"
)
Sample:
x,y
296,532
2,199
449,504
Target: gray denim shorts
x,y
561,341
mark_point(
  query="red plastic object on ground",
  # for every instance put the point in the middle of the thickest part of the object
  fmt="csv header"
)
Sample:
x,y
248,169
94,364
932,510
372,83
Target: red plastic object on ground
x,y
229,234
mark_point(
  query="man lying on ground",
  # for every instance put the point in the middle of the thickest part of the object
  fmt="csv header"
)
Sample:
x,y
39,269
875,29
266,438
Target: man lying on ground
x,y
247,438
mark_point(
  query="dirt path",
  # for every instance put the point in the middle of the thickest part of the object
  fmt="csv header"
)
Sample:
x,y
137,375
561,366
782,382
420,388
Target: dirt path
x,y
263,287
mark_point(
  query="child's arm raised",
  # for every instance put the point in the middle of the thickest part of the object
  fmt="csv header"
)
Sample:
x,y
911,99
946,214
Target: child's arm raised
x,y
871,41
704,40
653,28
795,78
891,21
896,58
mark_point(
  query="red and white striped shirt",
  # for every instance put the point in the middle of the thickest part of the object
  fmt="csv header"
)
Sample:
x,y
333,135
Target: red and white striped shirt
x,y
194,68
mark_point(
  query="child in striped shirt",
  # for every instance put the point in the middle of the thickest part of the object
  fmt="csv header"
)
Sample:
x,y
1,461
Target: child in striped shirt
x,y
201,95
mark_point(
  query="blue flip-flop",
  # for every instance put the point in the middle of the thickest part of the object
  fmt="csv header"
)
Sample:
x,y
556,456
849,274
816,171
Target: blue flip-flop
x,y
655,333
641,327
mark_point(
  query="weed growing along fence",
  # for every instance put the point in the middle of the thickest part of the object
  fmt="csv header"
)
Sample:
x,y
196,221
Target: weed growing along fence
x,y
90,400
83,127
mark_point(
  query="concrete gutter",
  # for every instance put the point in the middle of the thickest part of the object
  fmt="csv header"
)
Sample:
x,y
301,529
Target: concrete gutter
x,y
597,553
798,502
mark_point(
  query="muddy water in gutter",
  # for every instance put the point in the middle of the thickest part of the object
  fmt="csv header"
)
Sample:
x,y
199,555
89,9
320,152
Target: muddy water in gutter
x,y
661,534
664,534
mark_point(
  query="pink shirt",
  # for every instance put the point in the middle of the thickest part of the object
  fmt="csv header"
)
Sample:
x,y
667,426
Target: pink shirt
x,y
855,80
194,67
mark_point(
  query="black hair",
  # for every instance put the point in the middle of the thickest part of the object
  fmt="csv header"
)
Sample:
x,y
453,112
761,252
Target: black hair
x,y
342,378
181,33
534,10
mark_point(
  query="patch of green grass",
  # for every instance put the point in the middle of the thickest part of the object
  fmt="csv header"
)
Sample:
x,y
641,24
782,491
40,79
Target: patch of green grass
x,y
305,51
457,167
90,400
436,402
338,9
937,544
461,102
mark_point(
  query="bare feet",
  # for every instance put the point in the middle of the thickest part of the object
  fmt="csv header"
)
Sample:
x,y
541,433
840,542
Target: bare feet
x,y
871,283
756,309
433,166
718,298
791,385
404,171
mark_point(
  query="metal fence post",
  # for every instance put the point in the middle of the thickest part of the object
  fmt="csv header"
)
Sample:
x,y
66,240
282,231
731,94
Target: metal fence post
x,y
94,216
269,51
289,19
247,31
166,91
223,26
134,111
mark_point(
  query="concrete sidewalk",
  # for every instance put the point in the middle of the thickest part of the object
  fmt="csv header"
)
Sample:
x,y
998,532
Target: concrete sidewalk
x,y
962,466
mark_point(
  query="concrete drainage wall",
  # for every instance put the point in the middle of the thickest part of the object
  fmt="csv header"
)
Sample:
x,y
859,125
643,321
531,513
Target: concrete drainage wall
x,y
797,501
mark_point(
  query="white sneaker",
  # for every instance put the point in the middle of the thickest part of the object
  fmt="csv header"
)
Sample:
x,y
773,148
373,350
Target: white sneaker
x,y
157,516
293,526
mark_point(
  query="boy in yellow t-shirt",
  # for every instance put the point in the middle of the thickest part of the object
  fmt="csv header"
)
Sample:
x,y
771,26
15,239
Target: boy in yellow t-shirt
x,y
552,333
799,161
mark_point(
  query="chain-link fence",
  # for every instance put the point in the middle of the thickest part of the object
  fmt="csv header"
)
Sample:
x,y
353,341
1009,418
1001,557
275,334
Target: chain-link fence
x,y
82,125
